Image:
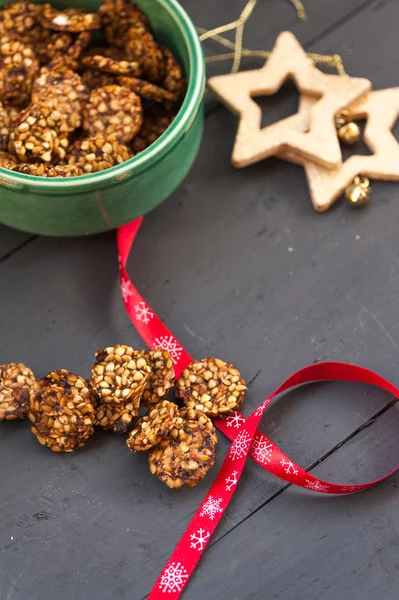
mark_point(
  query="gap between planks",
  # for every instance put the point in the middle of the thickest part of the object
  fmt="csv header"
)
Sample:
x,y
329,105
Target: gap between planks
x,y
317,462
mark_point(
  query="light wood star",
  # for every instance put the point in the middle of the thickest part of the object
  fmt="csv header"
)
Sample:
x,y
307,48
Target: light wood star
x,y
313,139
381,108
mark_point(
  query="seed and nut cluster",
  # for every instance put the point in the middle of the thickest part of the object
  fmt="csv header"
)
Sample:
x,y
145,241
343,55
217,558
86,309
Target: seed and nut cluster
x,y
152,428
202,418
113,112
112,66
212,386
182,442
22,20
117,17
42,170
81,108
18,69
156,120
7,161
91,155
5,121
147,90
39,133
162,376
119,377
72,19
16,383
64,408
62,411
185,456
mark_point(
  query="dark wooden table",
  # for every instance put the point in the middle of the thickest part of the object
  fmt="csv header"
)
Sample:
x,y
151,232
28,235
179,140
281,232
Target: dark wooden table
x,y
214,262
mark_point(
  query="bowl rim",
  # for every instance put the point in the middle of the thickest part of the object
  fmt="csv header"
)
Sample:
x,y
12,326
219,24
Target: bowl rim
x,y
182,123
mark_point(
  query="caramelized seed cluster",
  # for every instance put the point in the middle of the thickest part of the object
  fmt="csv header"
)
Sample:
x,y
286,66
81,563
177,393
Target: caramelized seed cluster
x,y
64,408
21,19
174,79
43,170
162,376
142,47
113,52
147,90
113,112
156,121
94,79
185,457
72,20
119,377
7,161
197,415
62,411
152,428
132,66
112,66
212,386
117,17
96,154
18,69
39,133
5,122
53,46
17,382
62,89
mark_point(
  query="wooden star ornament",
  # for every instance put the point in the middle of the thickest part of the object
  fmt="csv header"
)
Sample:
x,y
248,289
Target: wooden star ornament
x,y
381,108
312,137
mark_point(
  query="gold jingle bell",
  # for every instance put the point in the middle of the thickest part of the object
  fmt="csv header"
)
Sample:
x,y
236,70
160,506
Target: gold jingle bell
x,y
348,131
359,192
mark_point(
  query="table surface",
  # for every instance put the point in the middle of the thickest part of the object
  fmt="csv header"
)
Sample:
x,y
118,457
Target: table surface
x,y
239,266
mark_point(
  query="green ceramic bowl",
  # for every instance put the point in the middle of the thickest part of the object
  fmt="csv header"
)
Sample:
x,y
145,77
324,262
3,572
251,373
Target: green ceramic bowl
x,y
103,201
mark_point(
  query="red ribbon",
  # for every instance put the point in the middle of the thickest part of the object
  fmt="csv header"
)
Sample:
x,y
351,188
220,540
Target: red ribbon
x,y
246,439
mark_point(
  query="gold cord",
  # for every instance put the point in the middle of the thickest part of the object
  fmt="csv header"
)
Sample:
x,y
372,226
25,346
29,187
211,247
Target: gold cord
x,y
238,51
300,10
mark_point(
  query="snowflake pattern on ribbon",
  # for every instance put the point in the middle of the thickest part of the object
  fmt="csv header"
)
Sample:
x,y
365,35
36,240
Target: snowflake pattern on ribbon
x,y
168,343
240,445
261,451
261,409
143,312
289,467
235,420
126,291
231,481
199,539
349,489
316,486
211,507
173,578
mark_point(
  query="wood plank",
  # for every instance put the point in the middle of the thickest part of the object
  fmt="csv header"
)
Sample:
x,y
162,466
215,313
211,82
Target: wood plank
x,y
215,263
229,295
303,545
11,240
269,18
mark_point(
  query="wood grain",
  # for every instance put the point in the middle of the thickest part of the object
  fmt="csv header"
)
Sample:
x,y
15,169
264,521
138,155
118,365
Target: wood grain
x,y
306,546
239,266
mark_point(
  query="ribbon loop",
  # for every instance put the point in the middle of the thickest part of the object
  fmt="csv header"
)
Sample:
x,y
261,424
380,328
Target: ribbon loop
x,y
243,432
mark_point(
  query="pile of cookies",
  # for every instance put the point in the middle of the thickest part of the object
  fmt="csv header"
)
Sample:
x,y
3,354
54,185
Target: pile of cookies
x,y
64,408
69,108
